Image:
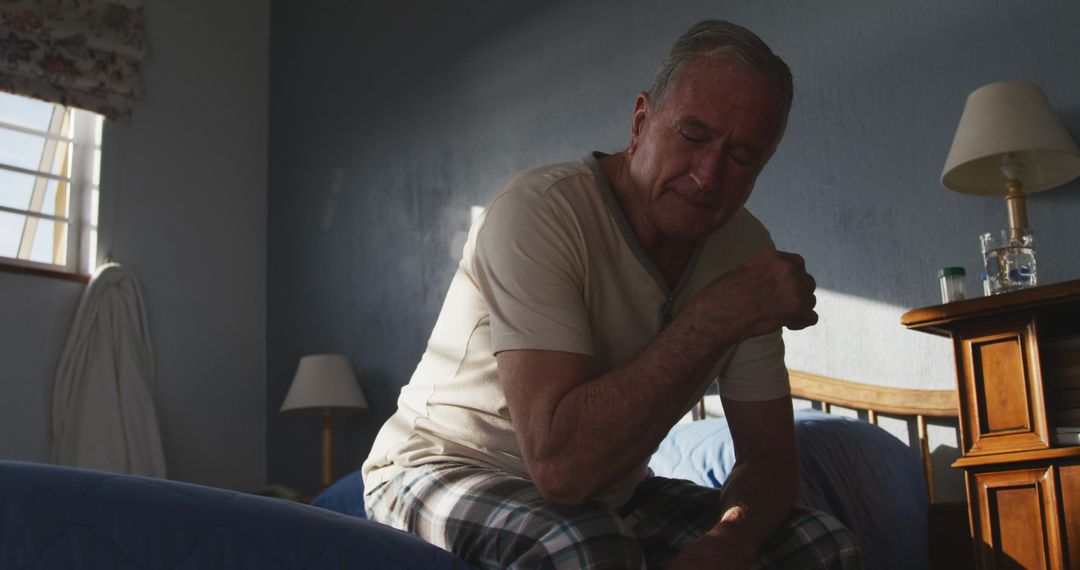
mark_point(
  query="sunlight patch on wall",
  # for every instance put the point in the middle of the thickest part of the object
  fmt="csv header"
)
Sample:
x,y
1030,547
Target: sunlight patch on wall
x,y
457,242
862,340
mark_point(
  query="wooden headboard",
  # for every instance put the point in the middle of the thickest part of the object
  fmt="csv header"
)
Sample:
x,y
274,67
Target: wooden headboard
x,y
901,402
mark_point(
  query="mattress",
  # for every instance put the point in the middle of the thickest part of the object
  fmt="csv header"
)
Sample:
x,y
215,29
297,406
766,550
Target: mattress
x,y
63,517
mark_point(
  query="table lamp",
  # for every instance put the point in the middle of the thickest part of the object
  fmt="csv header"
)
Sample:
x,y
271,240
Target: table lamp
x,y
1010,143
325,385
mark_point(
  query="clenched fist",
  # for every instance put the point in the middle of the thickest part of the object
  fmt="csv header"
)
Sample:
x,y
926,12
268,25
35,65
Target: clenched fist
x,y
769,291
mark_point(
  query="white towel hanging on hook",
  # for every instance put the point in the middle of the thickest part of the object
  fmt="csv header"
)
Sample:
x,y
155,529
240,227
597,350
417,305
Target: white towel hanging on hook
x,y
103,406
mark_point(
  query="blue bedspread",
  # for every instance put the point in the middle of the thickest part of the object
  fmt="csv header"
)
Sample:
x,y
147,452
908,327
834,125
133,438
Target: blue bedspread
x,y
61,517
853,470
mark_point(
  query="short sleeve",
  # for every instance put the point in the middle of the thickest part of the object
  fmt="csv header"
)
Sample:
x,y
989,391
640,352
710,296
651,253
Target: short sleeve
x,y
756,370
529,268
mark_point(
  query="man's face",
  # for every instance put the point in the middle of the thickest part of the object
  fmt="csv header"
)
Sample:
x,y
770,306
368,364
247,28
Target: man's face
x,y
694,159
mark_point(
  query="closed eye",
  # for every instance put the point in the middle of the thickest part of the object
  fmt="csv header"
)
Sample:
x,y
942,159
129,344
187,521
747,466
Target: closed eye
x,y
692,130
744,155
692,135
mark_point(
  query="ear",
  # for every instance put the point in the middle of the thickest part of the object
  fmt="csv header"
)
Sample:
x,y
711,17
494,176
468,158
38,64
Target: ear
x,y
641,111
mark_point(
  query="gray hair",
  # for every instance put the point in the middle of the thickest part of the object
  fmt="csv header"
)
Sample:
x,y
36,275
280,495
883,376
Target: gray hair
x,y
718,38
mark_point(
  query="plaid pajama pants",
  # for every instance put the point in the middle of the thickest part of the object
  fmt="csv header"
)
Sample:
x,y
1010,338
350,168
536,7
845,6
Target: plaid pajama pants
x,y
495,520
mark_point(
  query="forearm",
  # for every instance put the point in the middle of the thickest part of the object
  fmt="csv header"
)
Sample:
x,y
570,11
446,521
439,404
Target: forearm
x,y
603,428
756,497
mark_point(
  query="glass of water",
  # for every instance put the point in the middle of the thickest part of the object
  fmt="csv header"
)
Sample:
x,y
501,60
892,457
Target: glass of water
x,y
1009,256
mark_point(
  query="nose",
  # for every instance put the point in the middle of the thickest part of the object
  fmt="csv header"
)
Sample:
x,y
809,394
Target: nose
x,y
708,170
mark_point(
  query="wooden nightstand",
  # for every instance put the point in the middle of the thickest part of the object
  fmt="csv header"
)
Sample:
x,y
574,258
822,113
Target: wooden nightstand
x,y
1018,377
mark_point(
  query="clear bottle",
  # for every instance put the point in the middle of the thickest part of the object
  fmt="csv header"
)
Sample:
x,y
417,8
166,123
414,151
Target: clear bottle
x,y
952,284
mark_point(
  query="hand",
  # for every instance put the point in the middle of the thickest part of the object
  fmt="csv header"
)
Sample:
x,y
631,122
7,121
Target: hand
x,y
712,551
768,291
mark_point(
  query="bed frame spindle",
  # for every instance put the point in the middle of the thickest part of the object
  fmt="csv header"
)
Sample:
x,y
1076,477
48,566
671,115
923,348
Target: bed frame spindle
x,y
924,451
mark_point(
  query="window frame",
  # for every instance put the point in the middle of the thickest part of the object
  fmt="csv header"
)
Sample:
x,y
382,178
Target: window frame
x,y
82,182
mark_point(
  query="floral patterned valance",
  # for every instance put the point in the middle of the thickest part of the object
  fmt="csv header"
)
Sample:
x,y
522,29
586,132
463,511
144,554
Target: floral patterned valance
x,y
82,53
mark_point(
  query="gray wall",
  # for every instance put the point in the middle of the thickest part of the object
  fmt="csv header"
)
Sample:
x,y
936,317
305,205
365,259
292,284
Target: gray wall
x,y
184,207
34,320
389,119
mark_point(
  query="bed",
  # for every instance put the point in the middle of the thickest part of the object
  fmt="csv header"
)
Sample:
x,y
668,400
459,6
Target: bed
x,y
63,517
54,516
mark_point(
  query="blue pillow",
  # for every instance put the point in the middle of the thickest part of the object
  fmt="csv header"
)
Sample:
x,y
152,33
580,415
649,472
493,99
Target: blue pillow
x,y
346,496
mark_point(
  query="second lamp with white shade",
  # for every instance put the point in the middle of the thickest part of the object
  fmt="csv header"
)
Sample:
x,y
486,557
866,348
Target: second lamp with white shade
x,y
1010,143
325,385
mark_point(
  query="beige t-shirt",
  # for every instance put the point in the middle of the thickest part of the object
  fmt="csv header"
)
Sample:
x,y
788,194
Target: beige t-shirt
x,y
553,265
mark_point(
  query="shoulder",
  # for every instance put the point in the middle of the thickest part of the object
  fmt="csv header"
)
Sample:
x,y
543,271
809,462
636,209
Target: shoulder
x,y
561,190
549,181
539,208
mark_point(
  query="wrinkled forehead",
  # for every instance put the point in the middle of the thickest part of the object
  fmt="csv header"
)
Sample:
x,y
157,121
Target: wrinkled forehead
x,y
728,78
725,67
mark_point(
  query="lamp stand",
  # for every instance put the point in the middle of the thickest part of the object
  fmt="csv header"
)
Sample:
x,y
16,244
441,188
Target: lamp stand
x,y
1016,201
327,450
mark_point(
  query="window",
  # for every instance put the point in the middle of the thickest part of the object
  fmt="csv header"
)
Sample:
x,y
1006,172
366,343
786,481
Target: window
x,y
49,164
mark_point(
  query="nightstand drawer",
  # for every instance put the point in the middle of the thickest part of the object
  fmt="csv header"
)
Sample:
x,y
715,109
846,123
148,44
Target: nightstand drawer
x,y
1017,528
1001,386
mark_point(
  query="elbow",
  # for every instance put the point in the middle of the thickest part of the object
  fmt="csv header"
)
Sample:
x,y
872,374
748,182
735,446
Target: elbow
x,y
558,487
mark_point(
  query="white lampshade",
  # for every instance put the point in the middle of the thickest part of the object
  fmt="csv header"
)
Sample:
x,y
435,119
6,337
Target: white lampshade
x,y
1009,117
324,384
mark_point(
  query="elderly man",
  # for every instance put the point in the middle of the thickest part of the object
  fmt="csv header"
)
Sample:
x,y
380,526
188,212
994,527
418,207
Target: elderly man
x,y
594,304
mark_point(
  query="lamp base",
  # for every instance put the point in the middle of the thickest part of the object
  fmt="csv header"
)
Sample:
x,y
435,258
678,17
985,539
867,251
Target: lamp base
x,y
1009,257
1016,203
327,450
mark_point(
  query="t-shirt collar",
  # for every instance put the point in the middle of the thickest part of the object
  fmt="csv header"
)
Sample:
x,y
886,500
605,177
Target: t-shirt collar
x,y
629,237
